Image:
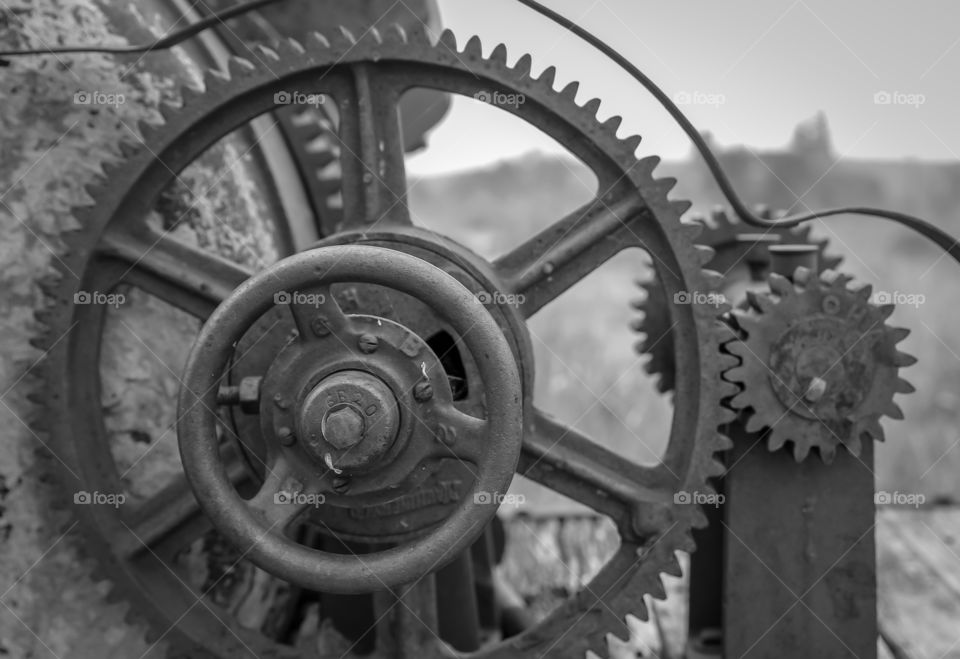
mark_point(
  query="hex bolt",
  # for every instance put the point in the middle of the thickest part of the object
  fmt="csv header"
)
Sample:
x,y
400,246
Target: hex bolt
x,y
423,391
280,401
368,343
286,436
341,485
816,389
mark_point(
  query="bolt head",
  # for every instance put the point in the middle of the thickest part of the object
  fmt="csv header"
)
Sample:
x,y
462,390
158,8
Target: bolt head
x,y
368,343
319,326
341,484
343,427
286,436
423,391
280,401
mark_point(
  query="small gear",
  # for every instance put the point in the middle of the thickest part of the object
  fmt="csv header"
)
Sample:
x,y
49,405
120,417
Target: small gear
x,y
819,366
731,240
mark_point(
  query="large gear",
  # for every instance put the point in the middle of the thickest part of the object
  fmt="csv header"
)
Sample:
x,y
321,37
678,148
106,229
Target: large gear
x,y
731,240
819,366
652,529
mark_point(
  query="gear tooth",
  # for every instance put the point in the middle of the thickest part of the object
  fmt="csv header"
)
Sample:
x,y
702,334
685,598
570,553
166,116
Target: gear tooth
x,y
902,359
691,229
719,216
687,543
780,285
129,149
637,326
898,334
549,76
396,33
637,303
473,47
715,468
724,443
612,125
862,292
886,310
238,67
570,91
318,39
741,401
736,374
523,66
828,451
704,254
294,47
374,34
36,397
681,206
874,428
266,52
646,166
346,36
893,411
147,130
448,39
665,184
755,424
901,386
760,302
632,143
855,444
499,54
592,107
714,279
728,389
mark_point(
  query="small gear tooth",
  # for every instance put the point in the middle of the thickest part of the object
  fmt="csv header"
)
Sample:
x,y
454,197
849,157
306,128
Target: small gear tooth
x,y
346,35
741,401
374,34
898,334
755,424
665,185
875,429
646,166
40,341
318,39
736,374
632,143
802,276
713,279
723,442
727,361
893,411
760,302
473,47
637,303
728,389
266,52
681,206
592,107
902,359
886,310
780,285
719,216
570,91
549,76
523,66
293,46
691,229
612,125
188,94
637,326
499,54
704,254
828,451
903,387
715,468
862,292
687,544
238,66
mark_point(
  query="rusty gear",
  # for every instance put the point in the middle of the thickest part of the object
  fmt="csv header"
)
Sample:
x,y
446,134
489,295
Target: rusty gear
x,y
649,540
819,367
731,240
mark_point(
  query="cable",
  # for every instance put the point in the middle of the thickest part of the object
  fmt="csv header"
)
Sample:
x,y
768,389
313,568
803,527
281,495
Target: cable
x,y
944,240
160,44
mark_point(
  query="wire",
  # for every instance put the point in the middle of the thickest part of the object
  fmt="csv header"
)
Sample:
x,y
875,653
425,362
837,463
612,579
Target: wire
x,y
160,44
937,235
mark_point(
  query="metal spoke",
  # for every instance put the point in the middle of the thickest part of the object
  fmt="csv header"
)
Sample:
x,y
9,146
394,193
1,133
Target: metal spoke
x,y
563,459
186,277
374,171
407,625
316,312
564,253
280,499
457,435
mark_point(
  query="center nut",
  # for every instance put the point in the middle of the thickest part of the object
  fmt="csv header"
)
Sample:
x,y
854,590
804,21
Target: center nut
x,y
349,420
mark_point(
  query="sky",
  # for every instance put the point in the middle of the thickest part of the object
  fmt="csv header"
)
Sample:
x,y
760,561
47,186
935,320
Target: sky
x,y
885,72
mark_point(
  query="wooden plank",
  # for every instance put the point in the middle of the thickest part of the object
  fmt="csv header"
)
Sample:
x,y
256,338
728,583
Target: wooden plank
x,y
919,582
